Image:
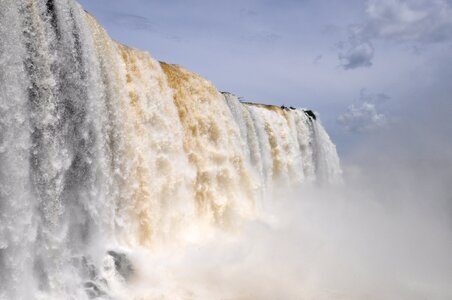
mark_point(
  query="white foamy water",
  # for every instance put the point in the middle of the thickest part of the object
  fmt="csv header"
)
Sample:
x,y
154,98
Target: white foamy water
x,y
109,158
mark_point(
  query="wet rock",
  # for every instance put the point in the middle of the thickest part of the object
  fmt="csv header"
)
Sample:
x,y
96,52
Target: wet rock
x,y
123,265
310,114
92,290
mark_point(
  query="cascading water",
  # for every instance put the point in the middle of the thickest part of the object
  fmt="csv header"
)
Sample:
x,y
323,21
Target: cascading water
x,y
104,150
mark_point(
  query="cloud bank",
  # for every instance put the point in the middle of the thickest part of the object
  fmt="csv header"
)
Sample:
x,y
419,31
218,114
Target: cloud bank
x,y
365,116
414,22
418,21
358,51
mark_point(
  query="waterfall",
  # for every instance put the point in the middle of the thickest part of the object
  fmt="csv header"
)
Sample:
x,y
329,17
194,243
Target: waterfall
x,y
103,149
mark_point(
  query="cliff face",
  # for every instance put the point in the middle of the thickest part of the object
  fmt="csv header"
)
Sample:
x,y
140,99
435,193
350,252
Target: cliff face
x,y
103,147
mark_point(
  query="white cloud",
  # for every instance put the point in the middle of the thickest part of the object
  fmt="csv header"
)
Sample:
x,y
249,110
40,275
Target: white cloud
x,y
362,118
424,21
413,22
358,55
358,51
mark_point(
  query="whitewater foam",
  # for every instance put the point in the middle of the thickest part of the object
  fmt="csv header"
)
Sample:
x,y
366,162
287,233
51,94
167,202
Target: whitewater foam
x,y
102,148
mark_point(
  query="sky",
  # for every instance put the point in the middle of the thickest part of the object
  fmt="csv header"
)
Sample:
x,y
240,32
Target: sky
x,y
379,74
370,69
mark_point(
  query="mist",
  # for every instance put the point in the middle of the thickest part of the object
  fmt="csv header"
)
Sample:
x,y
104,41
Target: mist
x,y
385,234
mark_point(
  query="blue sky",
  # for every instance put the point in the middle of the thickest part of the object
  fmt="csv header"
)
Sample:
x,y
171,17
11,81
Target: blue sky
x,y
365,66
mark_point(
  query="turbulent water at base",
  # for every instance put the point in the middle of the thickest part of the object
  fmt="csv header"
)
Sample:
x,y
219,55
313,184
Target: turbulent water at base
x,y
104,150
